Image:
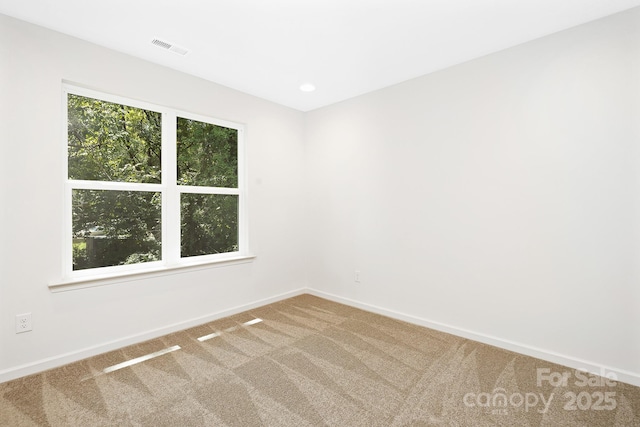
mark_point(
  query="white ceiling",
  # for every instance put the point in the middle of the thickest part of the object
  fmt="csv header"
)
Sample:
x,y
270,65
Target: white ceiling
x,y
344,47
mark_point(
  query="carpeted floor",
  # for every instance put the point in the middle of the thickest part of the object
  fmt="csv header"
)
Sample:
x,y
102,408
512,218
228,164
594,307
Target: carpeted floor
x,y
307,361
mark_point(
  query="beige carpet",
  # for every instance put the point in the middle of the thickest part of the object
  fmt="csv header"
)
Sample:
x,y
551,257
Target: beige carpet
x,y
306,361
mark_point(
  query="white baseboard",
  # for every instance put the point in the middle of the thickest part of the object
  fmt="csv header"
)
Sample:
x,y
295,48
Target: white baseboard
x,y
546,355
571,362
74,356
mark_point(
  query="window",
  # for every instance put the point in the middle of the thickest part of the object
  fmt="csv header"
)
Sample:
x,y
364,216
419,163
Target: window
x,y
148,186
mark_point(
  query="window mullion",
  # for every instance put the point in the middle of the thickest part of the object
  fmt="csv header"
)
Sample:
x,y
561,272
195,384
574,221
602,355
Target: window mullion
x,y
243,237
171,195
113,185
67,262
208,190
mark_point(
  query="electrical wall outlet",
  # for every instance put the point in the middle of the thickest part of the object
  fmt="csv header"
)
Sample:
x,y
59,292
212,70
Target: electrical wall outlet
x,y
23,323
357,276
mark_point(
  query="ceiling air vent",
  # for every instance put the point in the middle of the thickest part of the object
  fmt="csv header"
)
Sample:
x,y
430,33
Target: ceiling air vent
x,y
169,46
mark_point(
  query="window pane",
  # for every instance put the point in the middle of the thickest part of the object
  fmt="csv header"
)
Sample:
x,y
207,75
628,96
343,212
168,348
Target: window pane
x,y
112,142
115,227
209,224
207,154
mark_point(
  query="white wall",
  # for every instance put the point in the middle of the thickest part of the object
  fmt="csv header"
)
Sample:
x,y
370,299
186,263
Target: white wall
x,y
33,63
497,199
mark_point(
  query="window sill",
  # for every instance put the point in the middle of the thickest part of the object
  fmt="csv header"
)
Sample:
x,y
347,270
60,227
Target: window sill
x,y
102,280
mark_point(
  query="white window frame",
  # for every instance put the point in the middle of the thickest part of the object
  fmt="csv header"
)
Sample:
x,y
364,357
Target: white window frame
x,y
170,195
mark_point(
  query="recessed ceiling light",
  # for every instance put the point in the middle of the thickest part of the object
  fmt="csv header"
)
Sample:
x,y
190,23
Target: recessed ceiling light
x,y
307,87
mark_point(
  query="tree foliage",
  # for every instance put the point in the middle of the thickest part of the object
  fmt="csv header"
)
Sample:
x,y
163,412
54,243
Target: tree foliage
x,y
112,142
209,224
207,156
